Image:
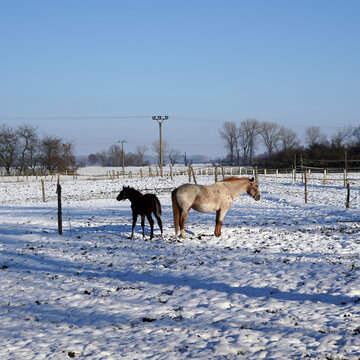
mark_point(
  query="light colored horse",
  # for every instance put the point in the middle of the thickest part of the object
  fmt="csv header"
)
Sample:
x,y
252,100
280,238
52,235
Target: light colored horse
x,y
206,198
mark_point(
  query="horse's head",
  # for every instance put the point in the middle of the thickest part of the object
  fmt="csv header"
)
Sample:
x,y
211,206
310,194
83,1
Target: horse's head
x,y
123,193
253,189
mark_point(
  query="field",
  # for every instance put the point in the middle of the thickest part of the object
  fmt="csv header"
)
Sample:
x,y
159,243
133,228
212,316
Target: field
x,y
282,282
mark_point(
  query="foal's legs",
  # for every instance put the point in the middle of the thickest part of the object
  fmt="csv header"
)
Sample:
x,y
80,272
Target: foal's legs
x,y
143,224
135,215
158,218
151,222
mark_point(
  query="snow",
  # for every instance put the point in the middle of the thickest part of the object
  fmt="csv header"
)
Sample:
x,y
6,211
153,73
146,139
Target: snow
x,y
281,282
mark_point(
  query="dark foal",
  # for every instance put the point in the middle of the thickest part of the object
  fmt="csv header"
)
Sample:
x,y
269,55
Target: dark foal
x,y
142,205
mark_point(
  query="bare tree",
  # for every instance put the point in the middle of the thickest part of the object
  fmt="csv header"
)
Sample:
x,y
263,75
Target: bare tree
x,y
114,155
131,159
8,147
230,134
103,158
342,136
67,156
270,133
174,156
248,134
28,148
356,134
288,139
92,159
156,148
140,152
50,153
314,136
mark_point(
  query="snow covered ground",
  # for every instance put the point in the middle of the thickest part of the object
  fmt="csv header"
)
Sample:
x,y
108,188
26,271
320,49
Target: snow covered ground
x,y
282,282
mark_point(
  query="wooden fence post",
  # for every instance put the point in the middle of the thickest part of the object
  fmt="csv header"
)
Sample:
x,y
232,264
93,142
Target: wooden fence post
x,y
193,174
171,172
58,188
189,173
348,196
324,176
223,172
306,193
345,177
43,190
216,174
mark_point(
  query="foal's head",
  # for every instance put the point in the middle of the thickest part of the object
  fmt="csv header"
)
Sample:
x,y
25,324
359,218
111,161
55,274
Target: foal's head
x,y
124,193
253,189
128,193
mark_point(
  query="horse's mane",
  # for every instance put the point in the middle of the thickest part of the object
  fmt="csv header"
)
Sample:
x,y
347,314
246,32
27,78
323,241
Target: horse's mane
x,y
233,178
134,191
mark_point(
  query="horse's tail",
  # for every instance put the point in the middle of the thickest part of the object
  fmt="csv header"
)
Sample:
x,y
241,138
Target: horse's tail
x,y
176,210
158,212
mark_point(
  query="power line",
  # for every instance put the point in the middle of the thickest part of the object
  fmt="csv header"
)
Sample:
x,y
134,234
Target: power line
x,y
114,117
100,117
148,143
73,117
196,119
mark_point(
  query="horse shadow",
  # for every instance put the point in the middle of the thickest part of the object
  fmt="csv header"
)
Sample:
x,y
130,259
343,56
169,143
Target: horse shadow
x,y
119,230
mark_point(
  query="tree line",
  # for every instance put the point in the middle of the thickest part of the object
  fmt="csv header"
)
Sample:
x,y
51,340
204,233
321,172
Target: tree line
x,y
24,151
283,147
116,156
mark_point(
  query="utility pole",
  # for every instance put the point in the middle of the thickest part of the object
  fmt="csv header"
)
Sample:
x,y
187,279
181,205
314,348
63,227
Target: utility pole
x,y
160,120
123,155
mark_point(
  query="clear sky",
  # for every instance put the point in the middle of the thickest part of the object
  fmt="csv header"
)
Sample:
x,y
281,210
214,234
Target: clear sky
x,y
201,62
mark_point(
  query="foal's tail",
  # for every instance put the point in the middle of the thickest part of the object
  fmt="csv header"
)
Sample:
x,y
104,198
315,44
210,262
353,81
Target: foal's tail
x,y
176,210
157,211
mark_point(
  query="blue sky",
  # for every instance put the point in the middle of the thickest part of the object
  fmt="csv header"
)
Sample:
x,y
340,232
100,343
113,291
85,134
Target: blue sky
x,y
200,62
